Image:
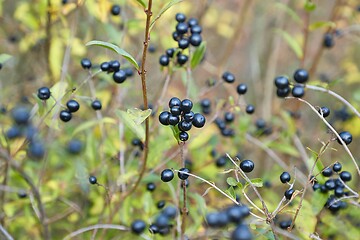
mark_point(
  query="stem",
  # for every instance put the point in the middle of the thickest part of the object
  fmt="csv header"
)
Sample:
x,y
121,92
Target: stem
x,y
332,129
306,33
97,226
343,100
5,233
48,39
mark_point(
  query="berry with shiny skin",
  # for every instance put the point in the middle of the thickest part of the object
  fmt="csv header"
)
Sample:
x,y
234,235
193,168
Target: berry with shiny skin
x,y
44,93
196,29
241,232
119,76
184,126
241,88
337,167
283,92
228,77
183,176
170,52
182,59
325,111
250,109
182,28
301,76
138,227
330,184
164,118
160,204
221,161
86,63
73,105
115,65
164,60
115,10
260,123
167,175
183,136
327,172
288,193
183,43
192,22
153,229
105,66
96,105
195,39
229,117
345,176
174,101
316,186
186,105
247,165
298,91
173,120
92,180
175,110
129,72
281,82
285,224
285,177
199,120
205,103
180,17
65,115
346,137
188,117
150,187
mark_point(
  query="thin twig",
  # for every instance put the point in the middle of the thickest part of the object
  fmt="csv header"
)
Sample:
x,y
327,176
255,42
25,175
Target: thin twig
x,y
5,233
332,129
97,226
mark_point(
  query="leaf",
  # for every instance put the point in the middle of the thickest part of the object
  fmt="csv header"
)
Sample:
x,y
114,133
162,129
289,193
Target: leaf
x,y
116,49
4,57
306,220
176,132
284,148
138,115
231,181
163,10
321,24
231,192
89,124
289,11
137,129
293,44
257,182
198,55
141,2
318,200
309,6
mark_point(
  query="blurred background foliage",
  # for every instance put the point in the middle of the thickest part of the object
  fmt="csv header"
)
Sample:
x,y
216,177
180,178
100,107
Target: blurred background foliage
x,y
42,43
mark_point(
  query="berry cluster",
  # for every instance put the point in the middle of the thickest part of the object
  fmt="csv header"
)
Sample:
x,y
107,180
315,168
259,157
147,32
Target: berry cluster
x,y
187,33
335,185
283,85
232,214
22,127
180,115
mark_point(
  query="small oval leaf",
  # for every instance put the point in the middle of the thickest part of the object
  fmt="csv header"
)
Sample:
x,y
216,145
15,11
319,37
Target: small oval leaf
x,y
231,181
116,49
198,55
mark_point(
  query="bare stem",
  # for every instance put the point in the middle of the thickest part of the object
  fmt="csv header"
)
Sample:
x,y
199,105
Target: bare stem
x,y
97,226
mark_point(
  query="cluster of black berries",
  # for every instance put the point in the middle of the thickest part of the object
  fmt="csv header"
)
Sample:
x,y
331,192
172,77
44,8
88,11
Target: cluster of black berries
x,y
167,174
232,214
333,184
180,115
187,33
22,127
285,177
283,85
163,222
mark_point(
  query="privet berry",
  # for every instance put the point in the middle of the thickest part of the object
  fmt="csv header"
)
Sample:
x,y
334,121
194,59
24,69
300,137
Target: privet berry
x,y
115,10
241,232
345,176
346,137
298,91
138,227
151,186
247,166
288,193
92,180
241,88
96,105
250,109
337,167
119,76
86,63
199,120
44,93
183,136
72,105
65,115
167,175
285,177
281,82
325,111
228,77
327,172
182,175
164,60
328,40
301,76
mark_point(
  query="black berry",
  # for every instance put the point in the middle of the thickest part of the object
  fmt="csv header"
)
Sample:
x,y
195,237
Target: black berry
x,y
44,93
182,28
195,39
96,105
250,109
86,63
119,76
164,118
183,136
337,167
115,10
327,172
105,66
138,227
73,105
92,180
167,175
183,176
301,76
241,232
288,193
283,92
281,82
228,77
65,115
164,60
182,59
183,43
285,177
325,111
199,120
345,176
247,165
180,17
298,91
241,88
151,187
186,105
328,40
346,137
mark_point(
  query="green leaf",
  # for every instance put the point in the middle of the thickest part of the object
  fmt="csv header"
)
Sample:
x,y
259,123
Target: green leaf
x,y
318,200
141,2
138,115
309,6
137,129
257,182
306,220
231,181
163,10
284,147
4,57
198,55
116,49
239,185
289,11
91,123
293,44
321,24
231,192
176,132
